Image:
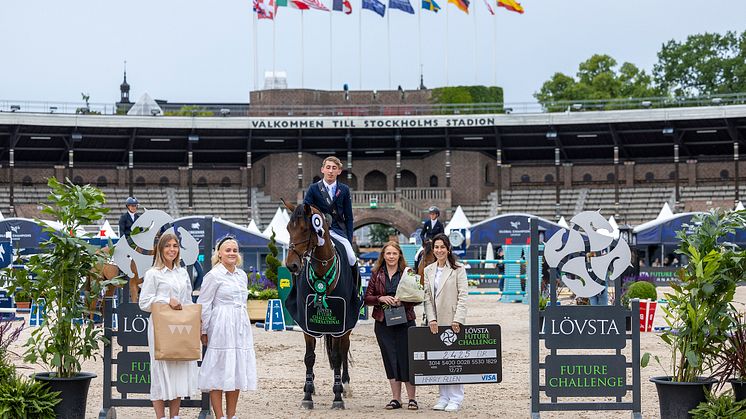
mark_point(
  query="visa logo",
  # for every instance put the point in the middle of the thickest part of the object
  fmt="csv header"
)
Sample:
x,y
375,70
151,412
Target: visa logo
x,y
489,377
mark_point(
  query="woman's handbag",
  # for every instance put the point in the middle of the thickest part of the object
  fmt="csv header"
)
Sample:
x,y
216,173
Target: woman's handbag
x,y
176,332
410,290
395,315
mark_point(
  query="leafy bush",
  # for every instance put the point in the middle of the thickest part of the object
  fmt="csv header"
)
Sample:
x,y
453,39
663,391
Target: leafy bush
x,y
59,274
642,290
25,398
723,406
731,363
698,310
272,262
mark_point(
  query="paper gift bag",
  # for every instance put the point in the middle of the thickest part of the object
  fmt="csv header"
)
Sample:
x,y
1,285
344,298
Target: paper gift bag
x,y
176,332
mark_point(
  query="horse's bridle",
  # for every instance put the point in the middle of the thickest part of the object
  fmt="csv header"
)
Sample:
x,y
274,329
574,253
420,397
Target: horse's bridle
x,y
308,253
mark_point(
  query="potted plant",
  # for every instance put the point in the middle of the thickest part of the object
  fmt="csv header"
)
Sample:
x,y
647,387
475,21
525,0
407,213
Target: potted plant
x,y
641,290
723,406
59,274
260,291
698,310
19,396
22,300
731,363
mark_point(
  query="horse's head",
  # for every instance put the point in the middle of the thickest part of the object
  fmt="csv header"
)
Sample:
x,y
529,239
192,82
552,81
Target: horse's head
x,y
308,230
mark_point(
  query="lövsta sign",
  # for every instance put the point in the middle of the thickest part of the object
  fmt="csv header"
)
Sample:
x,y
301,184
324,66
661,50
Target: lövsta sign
x,y
584,327
133,325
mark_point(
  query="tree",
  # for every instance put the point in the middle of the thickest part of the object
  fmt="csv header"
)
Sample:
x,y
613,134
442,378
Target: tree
x,y
705,64
272,262
597,79
468,94
379,234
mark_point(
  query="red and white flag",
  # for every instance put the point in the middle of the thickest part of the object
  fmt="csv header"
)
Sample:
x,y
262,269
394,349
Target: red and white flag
x,y
265,11
308,4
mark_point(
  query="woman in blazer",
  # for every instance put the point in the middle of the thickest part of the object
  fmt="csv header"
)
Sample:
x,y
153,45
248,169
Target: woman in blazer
x,y
445,305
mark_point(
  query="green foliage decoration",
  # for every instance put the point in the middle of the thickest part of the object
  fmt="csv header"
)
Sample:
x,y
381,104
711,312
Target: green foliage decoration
x,y
190,110
59,274
25,398
272,262
721,407
642,290
698,309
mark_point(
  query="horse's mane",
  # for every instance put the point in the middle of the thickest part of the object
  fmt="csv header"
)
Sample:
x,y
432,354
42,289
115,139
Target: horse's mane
x,y
299,212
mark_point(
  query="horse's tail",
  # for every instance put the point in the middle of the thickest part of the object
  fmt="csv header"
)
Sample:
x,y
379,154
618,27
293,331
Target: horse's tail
x,y
344,350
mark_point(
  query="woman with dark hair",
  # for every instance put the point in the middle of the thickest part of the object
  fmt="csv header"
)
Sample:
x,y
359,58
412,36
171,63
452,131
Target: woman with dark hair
x,y
387,271
445,305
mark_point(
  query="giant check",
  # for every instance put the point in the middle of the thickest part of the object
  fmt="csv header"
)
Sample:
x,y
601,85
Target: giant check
x,y
471,356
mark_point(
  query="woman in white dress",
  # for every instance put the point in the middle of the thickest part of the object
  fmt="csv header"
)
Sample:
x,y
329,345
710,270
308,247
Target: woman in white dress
x,y
167,282
230,363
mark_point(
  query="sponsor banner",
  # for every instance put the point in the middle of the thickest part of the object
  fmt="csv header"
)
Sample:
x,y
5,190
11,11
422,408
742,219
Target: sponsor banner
x,y
586,376
661,276
471,356
584,327
380,122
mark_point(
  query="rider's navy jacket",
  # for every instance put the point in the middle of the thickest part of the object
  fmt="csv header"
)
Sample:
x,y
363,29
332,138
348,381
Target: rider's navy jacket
x,y
341,200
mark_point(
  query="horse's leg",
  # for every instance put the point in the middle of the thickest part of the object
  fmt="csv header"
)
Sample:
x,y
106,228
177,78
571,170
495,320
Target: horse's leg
x,y
310,360
345,352
335,358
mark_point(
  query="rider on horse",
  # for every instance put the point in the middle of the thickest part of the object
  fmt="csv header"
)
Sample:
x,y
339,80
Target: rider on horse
x,y
430,228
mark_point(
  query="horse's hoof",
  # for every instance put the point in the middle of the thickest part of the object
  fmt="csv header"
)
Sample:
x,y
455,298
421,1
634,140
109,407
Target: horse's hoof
x,y
307,404
346,390
340,405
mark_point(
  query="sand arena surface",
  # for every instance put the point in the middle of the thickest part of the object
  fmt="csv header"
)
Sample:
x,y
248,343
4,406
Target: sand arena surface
x,y
281,375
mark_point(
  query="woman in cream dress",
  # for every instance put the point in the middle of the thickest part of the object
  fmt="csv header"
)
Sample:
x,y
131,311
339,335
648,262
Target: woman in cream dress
x,y
167,282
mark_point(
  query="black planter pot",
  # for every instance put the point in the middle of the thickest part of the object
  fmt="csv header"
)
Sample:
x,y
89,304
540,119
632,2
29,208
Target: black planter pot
x,y
739,389
73,392
676,399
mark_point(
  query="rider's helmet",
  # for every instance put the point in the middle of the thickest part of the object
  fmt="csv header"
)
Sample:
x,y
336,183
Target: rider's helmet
x,y
131,201
434,210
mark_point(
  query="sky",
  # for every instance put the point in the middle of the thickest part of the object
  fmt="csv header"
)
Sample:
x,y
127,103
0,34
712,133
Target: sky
x,y
216,51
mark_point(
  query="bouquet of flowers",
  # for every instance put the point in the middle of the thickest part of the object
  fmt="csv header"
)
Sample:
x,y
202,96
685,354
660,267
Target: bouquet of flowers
x,y
410,288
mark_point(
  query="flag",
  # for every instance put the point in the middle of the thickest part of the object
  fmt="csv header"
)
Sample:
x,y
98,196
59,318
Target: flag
x,y
463,5
511,5
309,4
402,5
342,6
375,6
265,11
489,8
430,5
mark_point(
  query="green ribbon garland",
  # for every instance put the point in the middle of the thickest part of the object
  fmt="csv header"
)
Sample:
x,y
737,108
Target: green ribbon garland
x,y
321,284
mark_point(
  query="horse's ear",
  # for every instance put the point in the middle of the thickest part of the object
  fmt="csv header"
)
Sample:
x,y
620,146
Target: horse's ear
x,y
287,205
307,210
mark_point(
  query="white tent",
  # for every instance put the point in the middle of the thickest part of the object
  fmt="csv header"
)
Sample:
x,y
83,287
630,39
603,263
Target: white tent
x,y
1,216
108,232
562,222
145,106
665,213
458,220
489,255
279,224
253,228
739,207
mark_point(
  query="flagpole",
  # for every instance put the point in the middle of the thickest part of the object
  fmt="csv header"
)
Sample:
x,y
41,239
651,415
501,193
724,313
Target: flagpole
x,y
388,43
331,50
494,48
302,54
274,55
419,36
360,47
474,13
256,55
447,39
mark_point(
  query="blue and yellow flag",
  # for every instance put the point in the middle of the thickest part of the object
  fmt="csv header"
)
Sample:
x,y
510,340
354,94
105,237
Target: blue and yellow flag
x,y
430,5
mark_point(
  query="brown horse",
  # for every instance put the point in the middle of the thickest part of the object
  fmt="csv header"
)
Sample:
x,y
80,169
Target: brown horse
x,y
315,246
106,271
426,257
